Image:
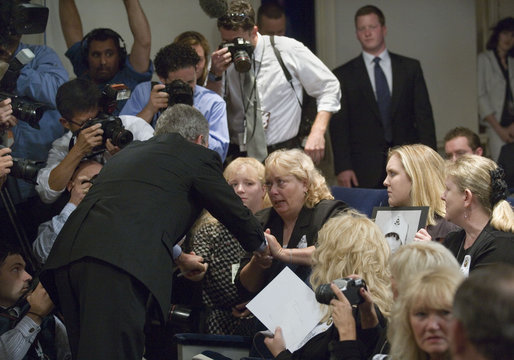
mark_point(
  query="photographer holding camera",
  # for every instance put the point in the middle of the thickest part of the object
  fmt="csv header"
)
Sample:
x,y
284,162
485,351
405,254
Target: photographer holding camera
x,y
28,330
78,187
263,107
34,79
77,101
5,164
353,325
179,62
101,55
7,119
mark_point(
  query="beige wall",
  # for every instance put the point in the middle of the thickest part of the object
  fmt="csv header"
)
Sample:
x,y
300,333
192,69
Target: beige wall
x,y
167,18
440,33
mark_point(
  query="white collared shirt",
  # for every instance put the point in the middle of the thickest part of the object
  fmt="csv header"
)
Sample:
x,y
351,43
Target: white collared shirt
x,y
385,64
278,103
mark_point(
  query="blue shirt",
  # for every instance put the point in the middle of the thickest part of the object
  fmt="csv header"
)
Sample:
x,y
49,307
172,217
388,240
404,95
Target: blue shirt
x,y
210,104
39,81
126,75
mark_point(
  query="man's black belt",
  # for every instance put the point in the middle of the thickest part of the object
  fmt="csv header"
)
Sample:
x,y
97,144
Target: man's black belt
x,y
288,144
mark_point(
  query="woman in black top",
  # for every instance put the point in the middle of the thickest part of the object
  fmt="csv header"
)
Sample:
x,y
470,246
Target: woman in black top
x,y
475,200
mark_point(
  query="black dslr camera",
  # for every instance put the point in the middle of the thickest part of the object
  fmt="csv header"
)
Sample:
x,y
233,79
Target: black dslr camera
x,y
349,287
18,17
111,94
25,110
241,51
113,129
25,169
180,93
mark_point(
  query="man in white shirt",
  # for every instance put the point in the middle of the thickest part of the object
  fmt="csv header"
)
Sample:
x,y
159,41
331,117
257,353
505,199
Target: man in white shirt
x,y
77,101
279,101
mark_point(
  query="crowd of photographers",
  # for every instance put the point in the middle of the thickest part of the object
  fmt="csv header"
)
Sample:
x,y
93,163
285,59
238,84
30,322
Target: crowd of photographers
x,y
57,134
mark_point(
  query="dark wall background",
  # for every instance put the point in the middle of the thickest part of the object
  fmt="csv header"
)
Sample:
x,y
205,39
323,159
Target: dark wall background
x,y
300,20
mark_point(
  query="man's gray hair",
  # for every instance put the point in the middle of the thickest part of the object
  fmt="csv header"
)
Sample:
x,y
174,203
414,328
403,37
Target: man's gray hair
x,y
483,304
184,120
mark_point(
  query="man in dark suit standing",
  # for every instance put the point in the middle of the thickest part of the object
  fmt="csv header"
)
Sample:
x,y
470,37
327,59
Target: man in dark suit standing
x,y
384,103
115,254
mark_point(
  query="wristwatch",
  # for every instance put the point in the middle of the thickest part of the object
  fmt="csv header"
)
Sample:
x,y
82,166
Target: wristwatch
x,y
213,77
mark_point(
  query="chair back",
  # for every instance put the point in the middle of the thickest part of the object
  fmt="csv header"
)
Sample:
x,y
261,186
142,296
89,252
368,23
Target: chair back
x,y
361,199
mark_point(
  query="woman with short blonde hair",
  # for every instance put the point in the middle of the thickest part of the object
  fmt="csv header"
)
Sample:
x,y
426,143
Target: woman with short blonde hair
x,y
416,257
421,315
212,240
299,164
301,204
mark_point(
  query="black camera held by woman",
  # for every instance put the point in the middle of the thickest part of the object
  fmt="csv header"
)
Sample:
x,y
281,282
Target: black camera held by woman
x,y
241,51
113,129
348,286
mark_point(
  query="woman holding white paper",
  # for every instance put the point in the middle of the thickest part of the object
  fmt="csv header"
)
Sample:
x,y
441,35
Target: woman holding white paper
x,y
349,245
301,203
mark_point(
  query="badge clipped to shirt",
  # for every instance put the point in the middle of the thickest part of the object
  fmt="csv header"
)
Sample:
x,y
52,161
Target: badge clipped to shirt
x,y
466,265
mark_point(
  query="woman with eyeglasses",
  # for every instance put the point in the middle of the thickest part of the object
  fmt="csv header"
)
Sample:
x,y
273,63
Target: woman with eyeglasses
x,y
302,202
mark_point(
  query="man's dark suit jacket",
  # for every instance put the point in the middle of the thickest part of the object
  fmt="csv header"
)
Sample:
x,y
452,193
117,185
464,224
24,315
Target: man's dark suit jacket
x,y
357,132
143,201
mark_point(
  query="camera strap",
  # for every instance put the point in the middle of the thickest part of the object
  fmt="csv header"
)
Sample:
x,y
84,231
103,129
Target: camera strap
x,y
287,74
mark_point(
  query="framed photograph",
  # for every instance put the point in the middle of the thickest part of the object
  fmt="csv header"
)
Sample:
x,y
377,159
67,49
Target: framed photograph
x,y
400,224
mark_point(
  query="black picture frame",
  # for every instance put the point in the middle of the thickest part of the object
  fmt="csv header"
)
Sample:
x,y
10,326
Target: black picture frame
x,y
400,224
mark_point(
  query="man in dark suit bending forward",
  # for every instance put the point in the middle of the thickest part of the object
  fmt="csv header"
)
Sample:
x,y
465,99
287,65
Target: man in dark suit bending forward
x,y
115,254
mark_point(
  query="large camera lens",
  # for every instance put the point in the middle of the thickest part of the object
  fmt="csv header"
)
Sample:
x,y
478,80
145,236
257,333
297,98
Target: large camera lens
x,y
121,137
348,286
242,61
324,293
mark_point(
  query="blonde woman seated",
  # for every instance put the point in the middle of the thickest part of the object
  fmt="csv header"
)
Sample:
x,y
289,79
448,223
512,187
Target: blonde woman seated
x,y
301,203
475,200
349,244
222,252
414,258
415,177
421,316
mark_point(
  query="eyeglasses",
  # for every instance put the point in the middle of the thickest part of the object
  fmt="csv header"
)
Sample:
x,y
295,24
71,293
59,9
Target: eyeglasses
x,y
233,17
280,182
91,181
78,124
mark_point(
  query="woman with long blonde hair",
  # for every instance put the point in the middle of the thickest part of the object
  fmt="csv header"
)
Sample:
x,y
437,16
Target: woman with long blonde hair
x,y
415,177
349,245
475,200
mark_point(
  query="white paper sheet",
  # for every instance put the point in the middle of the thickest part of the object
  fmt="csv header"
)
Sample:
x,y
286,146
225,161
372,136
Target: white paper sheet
x,y
289,303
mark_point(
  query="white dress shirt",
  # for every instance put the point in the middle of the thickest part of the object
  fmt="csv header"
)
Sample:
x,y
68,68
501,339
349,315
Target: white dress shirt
x,y
60,148
385,65
279,103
